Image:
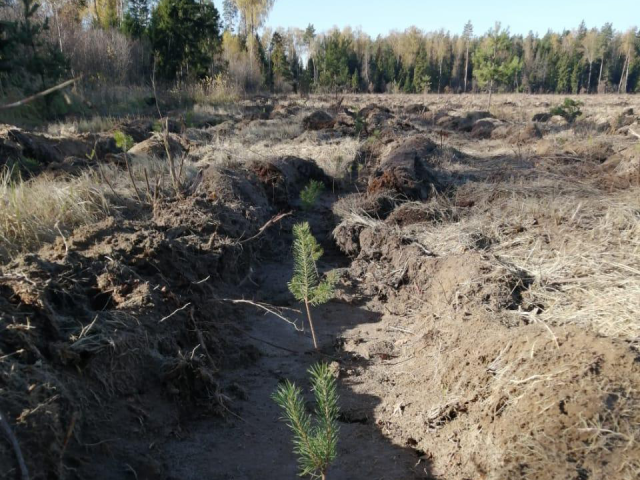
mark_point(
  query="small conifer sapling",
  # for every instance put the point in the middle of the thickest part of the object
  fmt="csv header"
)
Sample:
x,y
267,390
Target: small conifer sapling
x,y
310,194
315,440
305,285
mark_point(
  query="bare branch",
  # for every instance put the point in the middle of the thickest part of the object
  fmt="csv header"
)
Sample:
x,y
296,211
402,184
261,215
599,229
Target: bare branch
x,y
41,94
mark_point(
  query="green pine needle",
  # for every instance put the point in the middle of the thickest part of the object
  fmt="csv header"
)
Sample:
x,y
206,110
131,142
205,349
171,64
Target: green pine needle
x,y
315,441
305,285
310,194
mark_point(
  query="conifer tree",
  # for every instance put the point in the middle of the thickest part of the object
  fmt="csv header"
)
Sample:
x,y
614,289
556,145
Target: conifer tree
x,y
305,285
34,58
185,36
7,39
315,442
490,60
136,19
279,61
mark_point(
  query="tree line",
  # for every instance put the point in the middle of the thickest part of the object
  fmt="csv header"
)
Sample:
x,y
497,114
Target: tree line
x,y
574,61
185,41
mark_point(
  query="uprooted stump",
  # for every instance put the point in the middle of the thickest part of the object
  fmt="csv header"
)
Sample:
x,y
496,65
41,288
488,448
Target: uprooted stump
x,y
404,169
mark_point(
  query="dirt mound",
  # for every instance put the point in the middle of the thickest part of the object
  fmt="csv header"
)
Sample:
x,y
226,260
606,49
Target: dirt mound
x,y
375,116
484,128
262,111
318,120
283,110
531,132
154,147
86,332
44,149
284,177
544,403
389,260
414,213
416,109
625,164
405,169
468,121
540,404
114,333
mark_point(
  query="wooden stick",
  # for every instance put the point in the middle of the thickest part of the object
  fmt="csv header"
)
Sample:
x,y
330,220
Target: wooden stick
x,y
634,133
133,182
176,184
146,178
6,428
274,220
41,94
264,307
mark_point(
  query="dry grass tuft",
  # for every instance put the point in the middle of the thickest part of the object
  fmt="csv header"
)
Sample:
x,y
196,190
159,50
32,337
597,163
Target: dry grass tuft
x,y
578,245
84,125
36,211
333,157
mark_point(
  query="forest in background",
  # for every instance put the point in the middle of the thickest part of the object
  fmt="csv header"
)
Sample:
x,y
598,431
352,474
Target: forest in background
x,y
189,45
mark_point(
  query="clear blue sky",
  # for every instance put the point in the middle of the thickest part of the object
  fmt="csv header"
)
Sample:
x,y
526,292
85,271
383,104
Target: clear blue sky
x,y
380,16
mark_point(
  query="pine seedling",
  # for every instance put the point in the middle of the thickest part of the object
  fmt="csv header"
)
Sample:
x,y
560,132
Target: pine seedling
x,y
305,285
315,440
123,141
310,194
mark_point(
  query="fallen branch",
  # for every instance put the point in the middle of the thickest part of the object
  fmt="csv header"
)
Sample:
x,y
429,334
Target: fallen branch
x,y
265,308
634,133
41,94
273,221
6,428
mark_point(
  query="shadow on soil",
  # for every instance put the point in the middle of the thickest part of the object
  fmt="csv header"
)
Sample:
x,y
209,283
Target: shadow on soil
x,y
257,444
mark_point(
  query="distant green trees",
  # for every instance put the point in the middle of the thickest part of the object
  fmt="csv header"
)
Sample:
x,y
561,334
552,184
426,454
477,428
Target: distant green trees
x,y
136,18
182,40
30,63
279,63
573,61
333,60
185,35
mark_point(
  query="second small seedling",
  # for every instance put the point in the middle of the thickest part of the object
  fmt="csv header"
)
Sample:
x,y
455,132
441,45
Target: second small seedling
x,y
310,194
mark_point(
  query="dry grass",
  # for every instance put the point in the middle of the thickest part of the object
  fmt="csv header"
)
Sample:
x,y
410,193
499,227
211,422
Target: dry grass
x,y
36,211
269,131
334,157
580,247
85,125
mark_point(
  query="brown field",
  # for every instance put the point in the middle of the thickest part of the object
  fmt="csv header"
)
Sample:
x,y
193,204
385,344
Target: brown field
x,y
486,323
